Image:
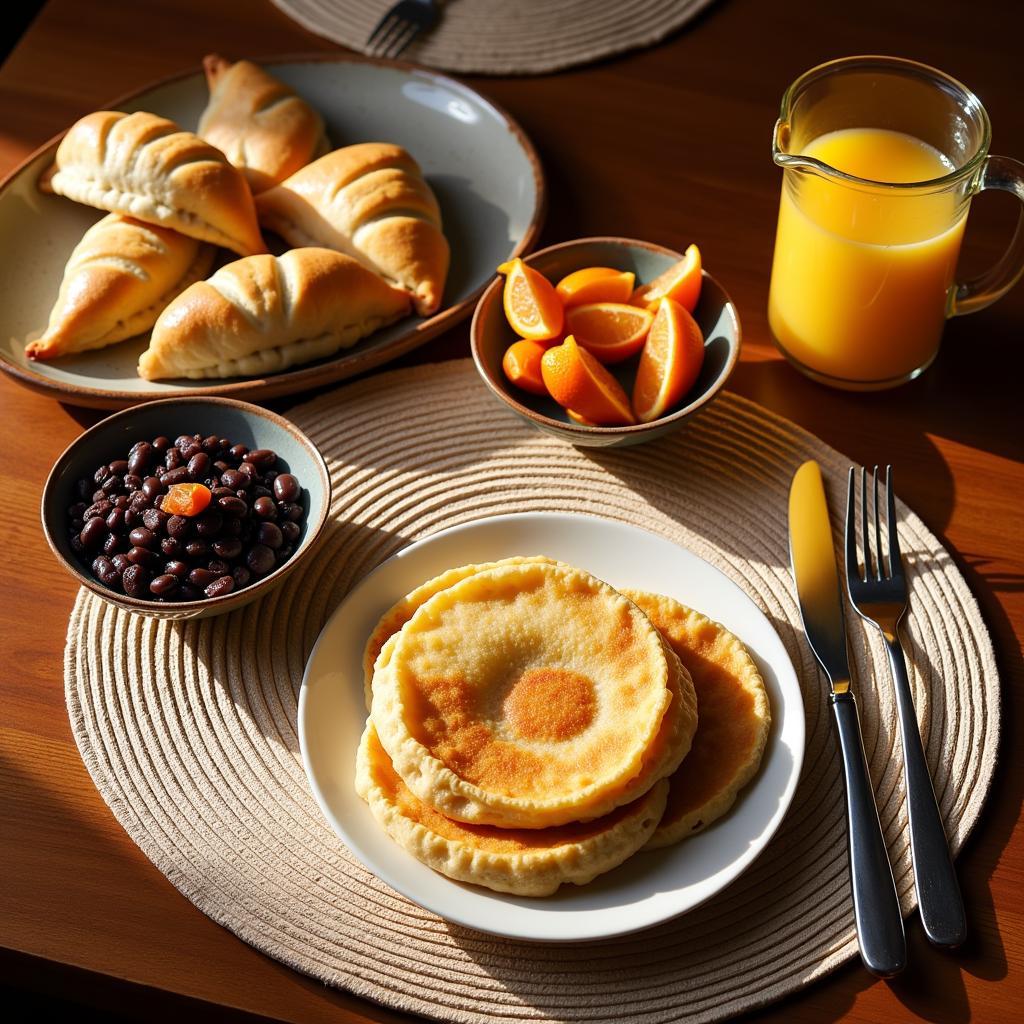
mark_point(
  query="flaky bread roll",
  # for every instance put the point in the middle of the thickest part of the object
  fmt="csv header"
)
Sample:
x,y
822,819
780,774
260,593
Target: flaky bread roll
x,y
258,122
263,314
119,278
146,167
371,202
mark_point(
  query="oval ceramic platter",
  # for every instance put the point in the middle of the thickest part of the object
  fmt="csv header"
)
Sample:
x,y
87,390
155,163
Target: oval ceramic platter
x,y
481,166
649,887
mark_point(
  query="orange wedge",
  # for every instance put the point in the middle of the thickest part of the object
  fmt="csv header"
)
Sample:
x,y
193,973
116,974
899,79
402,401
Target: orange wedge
x,y
680,282
611,331
531,305
669,363
577,381
595,284
521,364
582,420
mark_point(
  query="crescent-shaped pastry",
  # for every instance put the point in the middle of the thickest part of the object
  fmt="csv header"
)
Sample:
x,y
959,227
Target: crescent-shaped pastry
x,y
263,314
148,168
527,862
371,202
732,729
119,278
258,123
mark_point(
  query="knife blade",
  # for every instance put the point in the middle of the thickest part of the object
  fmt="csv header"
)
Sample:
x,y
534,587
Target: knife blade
x,y
883,946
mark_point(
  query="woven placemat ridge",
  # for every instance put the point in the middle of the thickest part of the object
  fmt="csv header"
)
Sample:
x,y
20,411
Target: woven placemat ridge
x,y
189,731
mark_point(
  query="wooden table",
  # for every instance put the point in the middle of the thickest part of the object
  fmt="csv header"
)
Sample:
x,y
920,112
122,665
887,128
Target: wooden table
x,y
670,144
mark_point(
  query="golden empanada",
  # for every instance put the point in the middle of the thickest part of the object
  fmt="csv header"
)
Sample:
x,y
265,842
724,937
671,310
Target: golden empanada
x,y
119,278
263,314
258,122
371,202
148,168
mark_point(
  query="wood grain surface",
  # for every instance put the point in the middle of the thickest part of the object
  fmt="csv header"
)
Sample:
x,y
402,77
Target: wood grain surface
x,y
671,144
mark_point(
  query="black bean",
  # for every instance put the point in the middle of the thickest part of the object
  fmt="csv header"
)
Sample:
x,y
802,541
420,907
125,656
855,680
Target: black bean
x,y
99,495
164,586
141,456
114,543
143,556
176,568
233,527
233,506
233,479
161,444
241,575
115,520
122,501
219,587
221,492
209,523
103,569
142,538
182,440
155,520
132,482
93,534
218,566
111,485
264,507
227,547
84,489
248,470
261,458
186,592
100,475
171,546
202,577
77,511
199,466
286,487
238,451
211,444
291,531
270,535
118,467
151,487
173,459
290,510
190,451
98,509
197,549
260,559
75,540
121,561
139,501
179,475
178,526
284,553
131,517
135,580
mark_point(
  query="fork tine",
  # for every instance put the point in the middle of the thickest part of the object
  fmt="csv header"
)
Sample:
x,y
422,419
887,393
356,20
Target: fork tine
x,y
395,26
895,559
851,527
879,560
865,536
412,30
375,35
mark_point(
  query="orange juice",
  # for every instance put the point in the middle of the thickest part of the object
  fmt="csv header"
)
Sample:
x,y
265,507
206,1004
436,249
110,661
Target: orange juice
x,y
862,273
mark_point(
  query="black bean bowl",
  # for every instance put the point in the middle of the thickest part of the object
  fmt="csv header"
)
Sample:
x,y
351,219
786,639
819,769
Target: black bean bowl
x,y
242,423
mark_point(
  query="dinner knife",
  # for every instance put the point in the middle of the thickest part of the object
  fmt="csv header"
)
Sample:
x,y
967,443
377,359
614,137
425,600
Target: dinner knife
x,y
883,946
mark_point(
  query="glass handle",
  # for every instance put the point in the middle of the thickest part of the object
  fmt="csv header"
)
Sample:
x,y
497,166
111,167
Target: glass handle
x,y
1007,174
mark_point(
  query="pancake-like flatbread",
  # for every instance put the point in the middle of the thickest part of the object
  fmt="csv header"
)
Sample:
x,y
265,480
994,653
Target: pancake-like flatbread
x,y
734,717
526,862
402,611
528,696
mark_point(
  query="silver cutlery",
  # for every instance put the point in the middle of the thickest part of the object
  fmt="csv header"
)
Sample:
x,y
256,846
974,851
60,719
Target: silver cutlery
x,y
400,25
812,555
879,594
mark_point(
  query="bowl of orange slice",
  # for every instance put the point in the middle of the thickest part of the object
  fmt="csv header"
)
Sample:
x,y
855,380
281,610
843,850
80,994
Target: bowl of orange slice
x,y
606,341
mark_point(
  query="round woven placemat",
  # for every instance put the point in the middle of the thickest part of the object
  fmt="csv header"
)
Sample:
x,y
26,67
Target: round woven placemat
x,y
189,729
496,37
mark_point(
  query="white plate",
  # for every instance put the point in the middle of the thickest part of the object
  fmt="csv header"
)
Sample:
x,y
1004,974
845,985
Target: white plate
x,y
483,169
650,887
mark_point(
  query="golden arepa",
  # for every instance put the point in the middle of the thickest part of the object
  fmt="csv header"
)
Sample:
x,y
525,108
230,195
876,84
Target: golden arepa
x,y
527,862
402,611
734,717
528,696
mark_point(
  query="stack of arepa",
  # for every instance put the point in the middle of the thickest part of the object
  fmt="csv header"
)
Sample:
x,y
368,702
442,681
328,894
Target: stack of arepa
x,y
530,725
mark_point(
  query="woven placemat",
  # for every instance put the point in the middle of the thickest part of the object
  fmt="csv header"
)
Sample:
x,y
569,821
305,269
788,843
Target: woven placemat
x,y
189,729
498,37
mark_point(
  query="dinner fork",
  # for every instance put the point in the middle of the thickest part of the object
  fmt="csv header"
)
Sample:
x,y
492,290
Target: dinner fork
x,y
879,594
400,25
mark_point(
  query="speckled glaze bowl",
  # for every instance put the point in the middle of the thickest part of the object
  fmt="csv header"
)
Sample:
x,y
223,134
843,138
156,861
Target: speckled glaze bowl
x,y
716,314
245,424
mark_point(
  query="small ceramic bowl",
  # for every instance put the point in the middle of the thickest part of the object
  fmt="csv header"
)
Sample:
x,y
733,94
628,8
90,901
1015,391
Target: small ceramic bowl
x,y
491,335
244,424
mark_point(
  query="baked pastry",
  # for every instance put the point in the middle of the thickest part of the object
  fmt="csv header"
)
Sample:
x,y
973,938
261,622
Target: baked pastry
x,y
263,314
371,202
258,122
402,611
734,717
150,169
526,862
531,695
119,278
